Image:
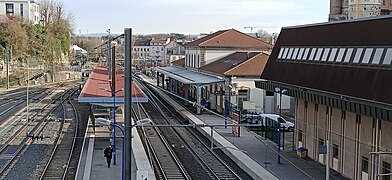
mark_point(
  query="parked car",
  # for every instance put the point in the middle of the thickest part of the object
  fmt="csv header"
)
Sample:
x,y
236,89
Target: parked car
x,y
250,116
284,124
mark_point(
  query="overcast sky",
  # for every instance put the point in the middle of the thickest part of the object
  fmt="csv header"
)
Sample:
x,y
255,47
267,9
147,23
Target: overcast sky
x,y
193,16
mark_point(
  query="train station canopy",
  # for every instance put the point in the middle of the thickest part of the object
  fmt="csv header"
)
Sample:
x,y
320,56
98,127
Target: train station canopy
x,y
189,77
97,89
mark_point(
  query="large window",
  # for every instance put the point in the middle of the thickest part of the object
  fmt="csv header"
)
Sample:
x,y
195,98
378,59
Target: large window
x,y
388,57
325,55
358,55
318,55
347,56
377,56
9,9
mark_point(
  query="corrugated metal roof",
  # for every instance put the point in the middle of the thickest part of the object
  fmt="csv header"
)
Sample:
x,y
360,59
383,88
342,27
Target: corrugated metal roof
x,y
188,76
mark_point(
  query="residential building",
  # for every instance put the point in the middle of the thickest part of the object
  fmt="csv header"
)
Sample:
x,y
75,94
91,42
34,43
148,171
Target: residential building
x,y
28,9
173,52
221,43
141,52
242,69
352,9
220,68
157,49
340,74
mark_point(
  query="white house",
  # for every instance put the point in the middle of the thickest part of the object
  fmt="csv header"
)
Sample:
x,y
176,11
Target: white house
x,y
28,9
157,49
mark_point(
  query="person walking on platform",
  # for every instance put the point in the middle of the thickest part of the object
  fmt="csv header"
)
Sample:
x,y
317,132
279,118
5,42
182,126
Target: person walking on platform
x,y
108,154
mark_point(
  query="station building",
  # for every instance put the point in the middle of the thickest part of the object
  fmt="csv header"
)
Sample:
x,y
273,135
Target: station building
x,y
341,76
220,68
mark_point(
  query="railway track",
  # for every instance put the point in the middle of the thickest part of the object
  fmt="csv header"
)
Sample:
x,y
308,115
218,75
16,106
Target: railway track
x,y
195,155
165,162
58,164
19,142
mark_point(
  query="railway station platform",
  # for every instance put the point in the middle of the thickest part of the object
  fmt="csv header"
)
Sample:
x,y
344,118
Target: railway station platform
x,y
92,163
256,155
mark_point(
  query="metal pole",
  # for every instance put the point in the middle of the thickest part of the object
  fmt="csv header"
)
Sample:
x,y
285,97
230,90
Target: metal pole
x,y
128,101
8,65
280,103
376,166
327,163
123,152
278,143
114,103
122,158
27,97
212,137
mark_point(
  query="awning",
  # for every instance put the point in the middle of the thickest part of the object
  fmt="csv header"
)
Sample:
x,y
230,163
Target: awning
x,y
188,76
97,89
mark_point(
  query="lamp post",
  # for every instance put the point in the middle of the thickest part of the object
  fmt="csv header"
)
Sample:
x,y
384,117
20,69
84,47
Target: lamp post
x,y
27,97
114,120
280,91
109,123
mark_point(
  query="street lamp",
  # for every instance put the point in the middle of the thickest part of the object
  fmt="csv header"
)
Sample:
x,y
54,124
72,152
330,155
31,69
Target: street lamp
x,y
280,91
27,96
114,119
109,123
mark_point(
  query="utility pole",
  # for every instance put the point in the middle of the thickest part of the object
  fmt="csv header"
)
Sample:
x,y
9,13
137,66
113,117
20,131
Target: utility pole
x,y
127,103
108,56
8,59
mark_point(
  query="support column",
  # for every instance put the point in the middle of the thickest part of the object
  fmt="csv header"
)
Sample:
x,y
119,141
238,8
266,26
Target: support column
x,y
127,103
177,86
186,91
168,85
163,80
198,96
157,78
227,99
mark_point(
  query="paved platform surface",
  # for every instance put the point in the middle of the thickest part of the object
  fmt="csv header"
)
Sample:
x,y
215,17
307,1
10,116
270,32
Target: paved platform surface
x,y
253,153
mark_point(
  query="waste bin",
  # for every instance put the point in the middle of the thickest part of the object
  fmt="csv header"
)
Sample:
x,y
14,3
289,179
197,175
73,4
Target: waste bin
x,y
302,152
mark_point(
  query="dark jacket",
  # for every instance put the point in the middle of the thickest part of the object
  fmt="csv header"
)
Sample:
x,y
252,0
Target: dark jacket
x,y
108,152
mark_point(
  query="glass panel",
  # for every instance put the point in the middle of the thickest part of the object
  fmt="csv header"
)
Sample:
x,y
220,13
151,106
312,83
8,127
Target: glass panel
x,y
333,54
388,57
290,53
285,53
312,53
377,56
348,55
325,55
339,58
366,57
295,53
318,55
306,54
281,53
301,51
358,55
